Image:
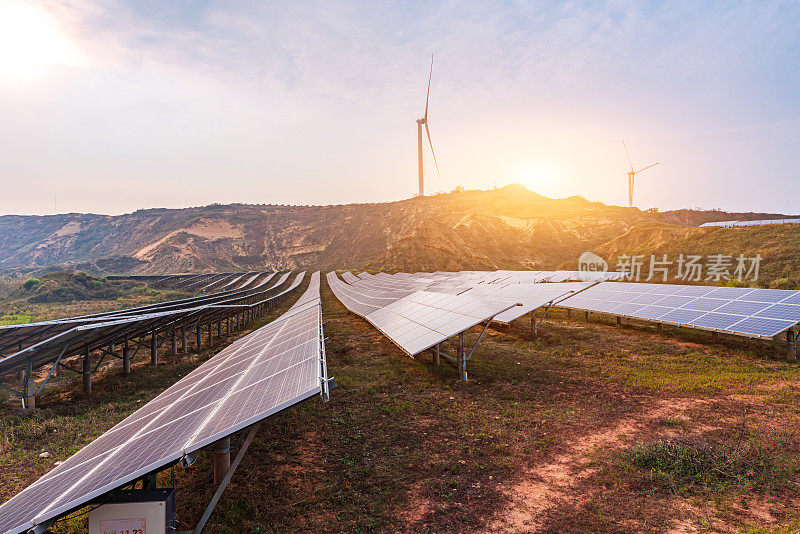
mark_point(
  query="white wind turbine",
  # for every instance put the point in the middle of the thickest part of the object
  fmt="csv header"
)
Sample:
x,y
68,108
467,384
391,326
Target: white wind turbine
x,y
632,175
420,122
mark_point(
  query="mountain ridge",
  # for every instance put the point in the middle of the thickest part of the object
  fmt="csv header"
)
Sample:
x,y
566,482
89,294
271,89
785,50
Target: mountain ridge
x,y
510,227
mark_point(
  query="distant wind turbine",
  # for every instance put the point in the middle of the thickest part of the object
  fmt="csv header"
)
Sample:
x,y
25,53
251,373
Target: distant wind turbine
x,y
632,175
420,122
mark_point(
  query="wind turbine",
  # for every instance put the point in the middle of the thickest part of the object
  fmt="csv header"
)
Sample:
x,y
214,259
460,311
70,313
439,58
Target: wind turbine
x,y
420,122
632,175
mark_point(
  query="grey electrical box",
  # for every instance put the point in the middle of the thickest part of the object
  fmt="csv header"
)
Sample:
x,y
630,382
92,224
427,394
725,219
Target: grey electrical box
x,y
135,512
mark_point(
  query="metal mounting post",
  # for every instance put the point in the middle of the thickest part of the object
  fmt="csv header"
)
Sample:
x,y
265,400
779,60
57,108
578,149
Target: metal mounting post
x,y
87,371
126,358
222,459
154,347
227,478
791,344
462,362
199,338
437,356
30,387
619,320
183,338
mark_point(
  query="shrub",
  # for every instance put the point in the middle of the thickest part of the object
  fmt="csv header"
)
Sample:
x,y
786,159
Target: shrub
x,y
782,283
30,284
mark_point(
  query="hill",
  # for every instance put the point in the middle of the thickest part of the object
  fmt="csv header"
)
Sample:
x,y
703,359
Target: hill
x,y
509,228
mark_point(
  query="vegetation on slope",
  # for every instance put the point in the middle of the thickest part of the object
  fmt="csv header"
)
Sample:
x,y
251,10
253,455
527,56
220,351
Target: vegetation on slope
x,y
776,244
61,294
509,228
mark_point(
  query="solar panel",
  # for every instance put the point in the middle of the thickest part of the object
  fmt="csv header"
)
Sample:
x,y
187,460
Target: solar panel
x,y
275,367
758,313
350,277
530,296
415,320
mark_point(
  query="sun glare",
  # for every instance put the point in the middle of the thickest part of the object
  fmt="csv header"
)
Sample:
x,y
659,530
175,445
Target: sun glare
x,y
31,42
538,180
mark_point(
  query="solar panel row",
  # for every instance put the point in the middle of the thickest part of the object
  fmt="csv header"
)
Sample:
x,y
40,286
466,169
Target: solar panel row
x,y
414,320
113,328
17,337
761,222
756,313
273,368
157,323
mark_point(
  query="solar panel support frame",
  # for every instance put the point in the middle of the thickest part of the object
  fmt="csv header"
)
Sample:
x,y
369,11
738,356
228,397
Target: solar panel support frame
x,y
462,362
226,479
324,390
791,344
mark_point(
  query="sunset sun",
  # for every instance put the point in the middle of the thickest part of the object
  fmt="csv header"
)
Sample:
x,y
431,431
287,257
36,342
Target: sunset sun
x,y
535,179
31,42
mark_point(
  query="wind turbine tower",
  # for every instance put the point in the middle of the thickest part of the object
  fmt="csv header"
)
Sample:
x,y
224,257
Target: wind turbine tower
x,y
420,123
632,175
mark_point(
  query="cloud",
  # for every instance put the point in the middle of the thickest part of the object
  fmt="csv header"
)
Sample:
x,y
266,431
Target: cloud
x,y
278,93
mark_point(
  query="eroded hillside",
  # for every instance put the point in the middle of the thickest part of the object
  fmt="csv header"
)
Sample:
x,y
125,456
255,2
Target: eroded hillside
x,y
509,228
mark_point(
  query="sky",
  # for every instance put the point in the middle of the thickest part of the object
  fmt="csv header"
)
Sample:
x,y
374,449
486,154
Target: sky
x,y
112,106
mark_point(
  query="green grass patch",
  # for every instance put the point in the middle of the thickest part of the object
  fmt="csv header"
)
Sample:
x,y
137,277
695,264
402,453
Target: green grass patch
x,y
760,460
16,318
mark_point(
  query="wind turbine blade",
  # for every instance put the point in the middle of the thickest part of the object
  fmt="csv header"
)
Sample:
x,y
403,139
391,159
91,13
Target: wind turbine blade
x,y
429,89
427,131
626,153
645,168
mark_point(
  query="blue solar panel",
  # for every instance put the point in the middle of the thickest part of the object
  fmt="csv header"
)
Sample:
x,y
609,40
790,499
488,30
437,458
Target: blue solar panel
x,y
719,321
787,312
768,295
674,301
628,309
694,291
621,296
718,308
682,316
763,327
664,289
647,298
704,304
729,292
740,307
794,299
608,307
652,312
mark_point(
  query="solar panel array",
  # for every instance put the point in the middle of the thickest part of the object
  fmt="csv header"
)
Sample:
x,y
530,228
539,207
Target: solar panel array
x,y
12,336
731,224
273,368
756,313
47,342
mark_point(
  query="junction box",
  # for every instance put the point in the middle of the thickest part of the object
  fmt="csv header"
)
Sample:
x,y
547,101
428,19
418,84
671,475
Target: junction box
x,y
135,512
